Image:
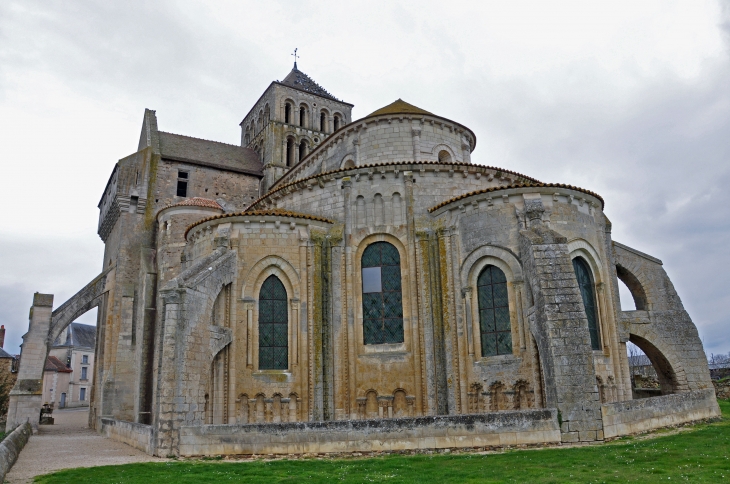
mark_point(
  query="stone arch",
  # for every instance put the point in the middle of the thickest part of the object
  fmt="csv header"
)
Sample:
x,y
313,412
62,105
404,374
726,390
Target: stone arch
x,y
501,257
636,288
348,161
304,147
324,120
371,404
242,416
521,392
443,153
271,264
581,247
267,114
338,121
497,400
668,369
303,111
400,403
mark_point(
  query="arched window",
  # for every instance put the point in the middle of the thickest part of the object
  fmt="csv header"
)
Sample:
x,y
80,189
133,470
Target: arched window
x,y
494,323
444,156
303,117
303,149
289,152
585,284
267,115
287,113
382,305
336,122
273,326
323,121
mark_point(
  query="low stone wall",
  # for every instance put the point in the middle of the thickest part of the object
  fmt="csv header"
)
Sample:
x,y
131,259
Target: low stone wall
x,y
722,389
137,435
634,416
12,445
437,432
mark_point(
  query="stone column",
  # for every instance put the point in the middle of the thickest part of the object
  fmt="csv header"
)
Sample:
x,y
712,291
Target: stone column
x,y
560,327
465,150
248,304
416,144
27,394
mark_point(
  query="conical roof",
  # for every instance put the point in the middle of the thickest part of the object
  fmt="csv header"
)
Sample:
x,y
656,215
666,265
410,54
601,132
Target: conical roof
x,y
299,80
399,107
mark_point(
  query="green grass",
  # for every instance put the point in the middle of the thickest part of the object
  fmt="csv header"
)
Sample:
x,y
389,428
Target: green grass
x,y
699,454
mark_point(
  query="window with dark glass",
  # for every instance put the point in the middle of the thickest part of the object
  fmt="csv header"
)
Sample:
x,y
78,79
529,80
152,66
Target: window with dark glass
x,y
382,305
182,184
82,394
85,359
585,284
83,372
273,326
494,323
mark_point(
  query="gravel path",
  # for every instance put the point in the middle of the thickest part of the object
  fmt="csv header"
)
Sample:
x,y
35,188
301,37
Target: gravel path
x,y
67,444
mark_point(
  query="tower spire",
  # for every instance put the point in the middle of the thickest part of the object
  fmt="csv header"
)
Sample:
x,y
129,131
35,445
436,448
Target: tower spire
x,y
295,58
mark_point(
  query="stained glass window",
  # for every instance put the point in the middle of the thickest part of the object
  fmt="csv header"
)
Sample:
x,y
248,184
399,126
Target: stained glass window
x,y
382,305
585,284
495,327
273,326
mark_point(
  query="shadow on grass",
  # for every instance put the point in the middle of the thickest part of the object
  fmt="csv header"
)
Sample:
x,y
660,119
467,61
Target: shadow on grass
x,y
701,454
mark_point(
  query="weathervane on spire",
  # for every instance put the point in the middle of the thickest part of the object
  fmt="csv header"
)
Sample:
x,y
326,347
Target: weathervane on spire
x,y
295,58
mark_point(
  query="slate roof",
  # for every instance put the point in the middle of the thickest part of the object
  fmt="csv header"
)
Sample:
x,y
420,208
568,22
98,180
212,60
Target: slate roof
x,y
54,364
5,354
213,153
79,335
299,80
398,107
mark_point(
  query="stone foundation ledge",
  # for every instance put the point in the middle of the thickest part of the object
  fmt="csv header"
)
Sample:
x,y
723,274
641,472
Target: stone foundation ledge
x,y
494,429
11,446
635,416
137,435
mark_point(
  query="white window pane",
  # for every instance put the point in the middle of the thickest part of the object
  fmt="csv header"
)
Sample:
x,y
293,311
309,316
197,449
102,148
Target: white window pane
x,y
371,280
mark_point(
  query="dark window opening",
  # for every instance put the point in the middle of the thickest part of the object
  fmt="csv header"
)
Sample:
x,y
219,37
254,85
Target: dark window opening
x,y
289,152
287,113
585,284
302,116
382,305
302,150
495,327
336,123
322,121
273,326
182,184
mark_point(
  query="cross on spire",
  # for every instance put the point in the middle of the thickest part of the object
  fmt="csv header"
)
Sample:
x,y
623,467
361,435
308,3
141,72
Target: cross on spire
x,y
295,58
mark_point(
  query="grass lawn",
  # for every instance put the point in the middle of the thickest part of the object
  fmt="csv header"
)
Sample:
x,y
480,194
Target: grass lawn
x,y
699,454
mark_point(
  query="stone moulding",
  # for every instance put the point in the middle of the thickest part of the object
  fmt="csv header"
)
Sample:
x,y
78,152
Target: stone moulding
x,y
447,431
11,446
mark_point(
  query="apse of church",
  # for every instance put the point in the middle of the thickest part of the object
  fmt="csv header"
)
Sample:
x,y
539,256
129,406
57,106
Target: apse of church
x,y
334,277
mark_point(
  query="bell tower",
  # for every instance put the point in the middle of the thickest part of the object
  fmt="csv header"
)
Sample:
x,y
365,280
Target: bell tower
x,y
291,117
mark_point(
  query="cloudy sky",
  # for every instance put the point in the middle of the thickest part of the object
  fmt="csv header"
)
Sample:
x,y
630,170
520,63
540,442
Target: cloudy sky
x,y
628,99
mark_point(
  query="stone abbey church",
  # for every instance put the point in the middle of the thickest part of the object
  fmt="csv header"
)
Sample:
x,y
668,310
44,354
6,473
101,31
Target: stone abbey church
x,y
337,284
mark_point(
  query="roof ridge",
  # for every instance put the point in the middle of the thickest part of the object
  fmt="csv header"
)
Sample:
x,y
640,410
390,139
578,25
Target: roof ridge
x,y
203,139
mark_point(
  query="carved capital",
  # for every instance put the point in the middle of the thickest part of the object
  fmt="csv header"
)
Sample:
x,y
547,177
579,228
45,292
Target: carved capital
x,y
534,210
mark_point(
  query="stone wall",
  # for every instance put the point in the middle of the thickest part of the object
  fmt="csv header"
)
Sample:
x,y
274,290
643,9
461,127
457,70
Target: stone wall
x,y
136,435
722,388
491,429
12,445
634,416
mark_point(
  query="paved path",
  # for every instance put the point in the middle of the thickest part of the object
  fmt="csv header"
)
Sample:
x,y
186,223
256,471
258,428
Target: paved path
x,y
70,443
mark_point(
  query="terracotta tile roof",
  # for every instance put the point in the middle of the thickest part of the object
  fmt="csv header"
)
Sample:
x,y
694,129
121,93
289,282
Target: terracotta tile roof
x,y
390,163
197,202
54,364
186,148
399,107
274,212
518,185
